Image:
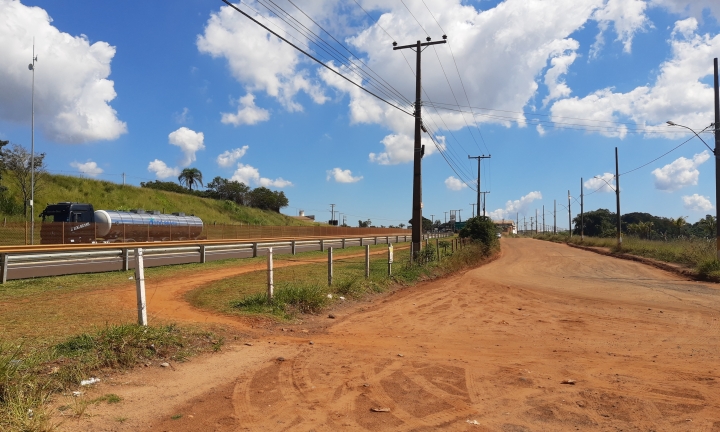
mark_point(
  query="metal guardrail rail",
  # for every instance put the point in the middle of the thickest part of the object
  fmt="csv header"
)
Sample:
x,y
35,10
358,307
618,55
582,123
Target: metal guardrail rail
x,y
42,256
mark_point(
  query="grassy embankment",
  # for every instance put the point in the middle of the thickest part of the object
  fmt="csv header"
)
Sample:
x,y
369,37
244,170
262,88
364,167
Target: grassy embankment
x,y
112,196
697,254
304,289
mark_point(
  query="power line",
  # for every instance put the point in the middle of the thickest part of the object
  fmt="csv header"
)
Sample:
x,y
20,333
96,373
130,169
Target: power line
x,y
321,43
227,2
461,80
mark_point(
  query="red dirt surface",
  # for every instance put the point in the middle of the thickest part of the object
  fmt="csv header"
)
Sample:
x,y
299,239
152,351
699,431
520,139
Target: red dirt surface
x,y
546,337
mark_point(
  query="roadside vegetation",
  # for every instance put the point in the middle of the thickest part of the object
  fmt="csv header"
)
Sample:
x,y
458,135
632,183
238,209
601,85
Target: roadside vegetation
x,y
31,376
305,289
695,253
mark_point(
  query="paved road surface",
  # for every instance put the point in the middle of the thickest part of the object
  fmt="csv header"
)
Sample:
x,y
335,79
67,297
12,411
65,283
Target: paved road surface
x,y
488,350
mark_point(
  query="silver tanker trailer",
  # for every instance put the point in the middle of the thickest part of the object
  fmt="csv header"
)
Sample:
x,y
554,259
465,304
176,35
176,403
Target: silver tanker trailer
x,y
68,222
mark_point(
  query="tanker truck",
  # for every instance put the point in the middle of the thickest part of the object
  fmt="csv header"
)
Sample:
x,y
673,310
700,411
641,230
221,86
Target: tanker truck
x,y
69,222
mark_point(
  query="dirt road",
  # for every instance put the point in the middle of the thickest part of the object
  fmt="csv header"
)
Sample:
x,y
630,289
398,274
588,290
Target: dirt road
x,y
545,338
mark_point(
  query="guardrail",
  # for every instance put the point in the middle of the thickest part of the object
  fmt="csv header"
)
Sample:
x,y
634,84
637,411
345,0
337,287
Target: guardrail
x,y
56,260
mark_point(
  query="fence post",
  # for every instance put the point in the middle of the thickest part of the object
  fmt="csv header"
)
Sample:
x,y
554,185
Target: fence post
x,y
254,250
387,239
126,259
411,253
452,246
343,243
292,247
361,241
367,261
390,259
270,284
330,266
4,267
202,254
397,239
437,247
140,287
375,240
322,245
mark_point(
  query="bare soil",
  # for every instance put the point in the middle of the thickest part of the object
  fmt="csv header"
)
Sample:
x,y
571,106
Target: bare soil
x,y
547,337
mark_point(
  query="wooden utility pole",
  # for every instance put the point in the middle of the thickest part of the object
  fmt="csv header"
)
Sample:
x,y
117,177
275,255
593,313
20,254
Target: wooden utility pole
x,y
569,215
543,228
617,198
418,148
479,159
582,214
554,216
717,163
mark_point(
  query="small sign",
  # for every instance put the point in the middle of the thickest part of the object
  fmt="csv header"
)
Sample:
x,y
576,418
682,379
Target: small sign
x,y
390,253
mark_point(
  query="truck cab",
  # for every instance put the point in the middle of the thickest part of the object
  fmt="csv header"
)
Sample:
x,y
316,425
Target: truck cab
x,y
67,222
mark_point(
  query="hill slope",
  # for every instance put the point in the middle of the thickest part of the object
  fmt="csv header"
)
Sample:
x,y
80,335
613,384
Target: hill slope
x,y
112,196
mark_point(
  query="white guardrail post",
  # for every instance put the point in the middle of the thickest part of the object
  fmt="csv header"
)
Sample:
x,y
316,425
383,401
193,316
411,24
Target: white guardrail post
x,y
330,266
322,245
270,284
202,254
140,287
126,259
4,267
254,245
367,261
292,246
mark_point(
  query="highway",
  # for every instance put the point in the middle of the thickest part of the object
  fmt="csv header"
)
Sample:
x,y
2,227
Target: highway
x,y
23,262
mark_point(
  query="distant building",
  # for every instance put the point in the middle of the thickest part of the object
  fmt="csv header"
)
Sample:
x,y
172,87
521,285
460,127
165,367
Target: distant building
x,y
506,226
303,217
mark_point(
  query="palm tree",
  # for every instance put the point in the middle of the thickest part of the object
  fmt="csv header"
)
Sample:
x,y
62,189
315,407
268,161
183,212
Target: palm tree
x,y
190,177
679,223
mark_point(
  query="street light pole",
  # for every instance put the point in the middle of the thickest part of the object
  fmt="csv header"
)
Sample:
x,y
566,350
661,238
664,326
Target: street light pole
x,y
31,66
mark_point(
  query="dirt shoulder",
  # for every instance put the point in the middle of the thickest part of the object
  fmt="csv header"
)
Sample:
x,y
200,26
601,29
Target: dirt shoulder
x,y
547,337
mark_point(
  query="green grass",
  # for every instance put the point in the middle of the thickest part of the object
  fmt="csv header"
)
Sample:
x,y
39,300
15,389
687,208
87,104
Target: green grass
x,y
305,289
30,375
112,196
698,254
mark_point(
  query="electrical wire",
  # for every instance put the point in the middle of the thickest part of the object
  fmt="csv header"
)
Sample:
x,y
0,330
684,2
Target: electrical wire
x,y
461,80
313,57
322,44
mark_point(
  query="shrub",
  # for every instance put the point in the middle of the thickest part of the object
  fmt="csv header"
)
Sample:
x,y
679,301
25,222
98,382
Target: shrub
x,y
482,229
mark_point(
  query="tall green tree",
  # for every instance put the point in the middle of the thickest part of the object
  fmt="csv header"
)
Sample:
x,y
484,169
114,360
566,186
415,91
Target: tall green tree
x,y
16,161
190,177
265,199
233,190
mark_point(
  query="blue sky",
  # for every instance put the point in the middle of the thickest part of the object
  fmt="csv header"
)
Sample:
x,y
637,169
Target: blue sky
x,y
148,88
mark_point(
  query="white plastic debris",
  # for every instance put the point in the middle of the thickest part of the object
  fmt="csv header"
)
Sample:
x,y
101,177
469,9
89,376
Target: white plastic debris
x,y
329,296
90,381
77,393
473,422
342,298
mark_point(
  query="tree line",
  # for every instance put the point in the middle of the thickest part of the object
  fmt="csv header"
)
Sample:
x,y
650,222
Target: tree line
x,y
603,223
222,189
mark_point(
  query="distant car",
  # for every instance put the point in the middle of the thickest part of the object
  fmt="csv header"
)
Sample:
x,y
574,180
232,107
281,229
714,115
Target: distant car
x,y
499,235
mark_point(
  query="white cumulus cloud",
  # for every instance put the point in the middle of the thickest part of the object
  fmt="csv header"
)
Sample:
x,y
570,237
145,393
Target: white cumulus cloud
x,y
161,170
189,142
228,158
89,168
455,184
261,62
697,203
342,176
600,183
680,92
72,92
248,113
682,172
517,206
250,175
